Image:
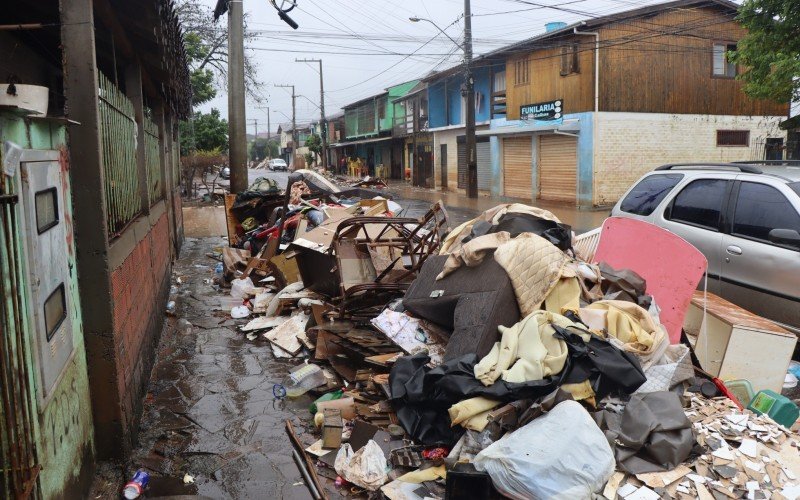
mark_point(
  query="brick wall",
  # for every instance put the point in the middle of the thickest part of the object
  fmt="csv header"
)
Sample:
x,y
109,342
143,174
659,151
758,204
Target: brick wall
x,y
139,287
629,144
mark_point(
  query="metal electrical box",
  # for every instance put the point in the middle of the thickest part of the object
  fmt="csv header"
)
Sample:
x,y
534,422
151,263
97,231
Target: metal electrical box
x,y
42,185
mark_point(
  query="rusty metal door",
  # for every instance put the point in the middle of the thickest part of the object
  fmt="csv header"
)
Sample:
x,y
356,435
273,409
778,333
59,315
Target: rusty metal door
x,y
17,448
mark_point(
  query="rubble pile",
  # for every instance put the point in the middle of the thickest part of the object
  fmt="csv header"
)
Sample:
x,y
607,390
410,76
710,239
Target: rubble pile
x,y
485,360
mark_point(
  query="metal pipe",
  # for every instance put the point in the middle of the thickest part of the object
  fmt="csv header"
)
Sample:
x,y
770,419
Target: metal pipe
x,y
306,476
596,36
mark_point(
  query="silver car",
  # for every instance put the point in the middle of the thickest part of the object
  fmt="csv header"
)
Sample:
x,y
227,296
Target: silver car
x,y
745,218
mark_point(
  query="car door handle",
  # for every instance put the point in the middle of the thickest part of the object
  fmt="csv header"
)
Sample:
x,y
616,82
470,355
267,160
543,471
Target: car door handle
x,y
734,250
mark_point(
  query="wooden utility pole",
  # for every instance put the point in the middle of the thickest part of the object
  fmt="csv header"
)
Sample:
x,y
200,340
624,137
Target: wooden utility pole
x,y
294,123
323,123
237,124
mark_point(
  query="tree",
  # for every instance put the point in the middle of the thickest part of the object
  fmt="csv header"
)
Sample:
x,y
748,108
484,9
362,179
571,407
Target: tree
x,y
261,147
770,52
204,131
207,50
314,144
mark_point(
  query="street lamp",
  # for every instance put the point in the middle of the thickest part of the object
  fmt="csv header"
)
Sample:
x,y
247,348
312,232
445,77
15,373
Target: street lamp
x,y
469,90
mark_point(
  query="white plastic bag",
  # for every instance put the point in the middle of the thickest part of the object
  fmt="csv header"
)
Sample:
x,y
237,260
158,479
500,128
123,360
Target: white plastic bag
x,y
365,468
241,288
343,459
560,455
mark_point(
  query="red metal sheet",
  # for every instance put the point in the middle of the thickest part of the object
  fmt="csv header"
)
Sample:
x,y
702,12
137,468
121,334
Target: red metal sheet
x,y
671,266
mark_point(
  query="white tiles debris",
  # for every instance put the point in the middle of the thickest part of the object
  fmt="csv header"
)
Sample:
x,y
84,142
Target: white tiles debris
x,y
749,447
643,493
626,490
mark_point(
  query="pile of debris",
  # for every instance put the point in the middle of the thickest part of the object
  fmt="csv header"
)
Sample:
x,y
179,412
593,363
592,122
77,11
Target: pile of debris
x,y
490,359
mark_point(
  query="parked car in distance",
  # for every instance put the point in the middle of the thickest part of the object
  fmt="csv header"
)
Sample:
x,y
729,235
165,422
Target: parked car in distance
x,y
745,218
225,172
276,164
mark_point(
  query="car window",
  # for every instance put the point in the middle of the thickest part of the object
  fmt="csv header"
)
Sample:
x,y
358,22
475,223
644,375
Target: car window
x,y
648,193
700,203
760,209
795,186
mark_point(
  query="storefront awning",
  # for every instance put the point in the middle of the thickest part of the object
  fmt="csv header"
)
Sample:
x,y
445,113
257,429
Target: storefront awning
x,y
567,127
361,141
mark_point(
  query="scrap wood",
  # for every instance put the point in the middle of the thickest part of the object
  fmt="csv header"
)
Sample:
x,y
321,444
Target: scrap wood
x,y
663,479
298,448
230,219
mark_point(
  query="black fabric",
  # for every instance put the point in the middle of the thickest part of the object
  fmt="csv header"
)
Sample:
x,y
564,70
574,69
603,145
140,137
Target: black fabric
x,y
610,370
515,224
474,301
421,396
652,435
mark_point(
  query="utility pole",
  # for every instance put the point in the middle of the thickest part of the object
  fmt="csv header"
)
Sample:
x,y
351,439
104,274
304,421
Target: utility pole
x,y
323,123
269,136
237,128
469,84
294,123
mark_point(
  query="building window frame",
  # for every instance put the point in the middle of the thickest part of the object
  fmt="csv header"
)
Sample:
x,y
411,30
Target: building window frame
x,y
522,75
569,59
729,46
727,138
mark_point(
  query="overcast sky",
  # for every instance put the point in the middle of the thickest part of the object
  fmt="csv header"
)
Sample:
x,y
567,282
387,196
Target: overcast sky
x,y
366,45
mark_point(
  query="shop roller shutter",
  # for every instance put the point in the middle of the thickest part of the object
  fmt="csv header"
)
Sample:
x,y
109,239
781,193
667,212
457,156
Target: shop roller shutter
x,y
484,165
462,164
558,168
517,156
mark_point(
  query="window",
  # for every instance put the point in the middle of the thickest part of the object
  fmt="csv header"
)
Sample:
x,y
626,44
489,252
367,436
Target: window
x,y
521,72
46,203
700,203
722,66
760,209
55,311
648,193
569,59
500,81
733,138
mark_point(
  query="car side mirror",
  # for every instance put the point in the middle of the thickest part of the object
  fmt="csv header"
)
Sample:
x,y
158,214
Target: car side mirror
x,y
785,237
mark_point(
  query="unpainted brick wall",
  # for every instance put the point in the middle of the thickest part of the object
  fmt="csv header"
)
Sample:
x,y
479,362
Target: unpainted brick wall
x,y
629,144
140,287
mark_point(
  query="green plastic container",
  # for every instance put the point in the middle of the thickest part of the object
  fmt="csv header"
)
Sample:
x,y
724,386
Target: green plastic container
x,y
325,397
742,389
780,408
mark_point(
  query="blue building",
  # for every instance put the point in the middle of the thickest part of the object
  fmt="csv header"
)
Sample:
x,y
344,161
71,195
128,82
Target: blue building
x,y
446,122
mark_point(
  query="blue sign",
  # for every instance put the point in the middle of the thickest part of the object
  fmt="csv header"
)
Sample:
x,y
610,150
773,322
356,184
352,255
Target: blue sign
x,y
543,113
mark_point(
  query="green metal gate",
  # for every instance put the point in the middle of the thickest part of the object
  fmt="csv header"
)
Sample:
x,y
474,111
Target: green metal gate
x,y
19,461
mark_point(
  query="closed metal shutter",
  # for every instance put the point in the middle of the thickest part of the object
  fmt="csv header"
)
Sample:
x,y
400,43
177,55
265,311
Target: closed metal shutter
x,y
484,165
517,158
462,163
558,168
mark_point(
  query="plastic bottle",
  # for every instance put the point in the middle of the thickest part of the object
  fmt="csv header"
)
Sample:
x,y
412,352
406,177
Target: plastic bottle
x,y
136,485
302,379
780,408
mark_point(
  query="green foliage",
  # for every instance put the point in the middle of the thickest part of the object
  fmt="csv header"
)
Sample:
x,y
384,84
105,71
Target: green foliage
x,y
314,144
309,157
770,53
206,131
203,89
260,148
